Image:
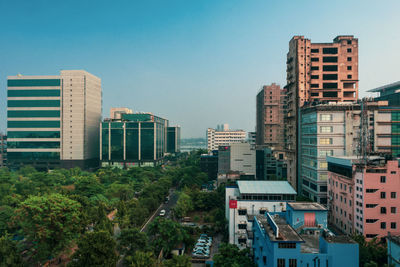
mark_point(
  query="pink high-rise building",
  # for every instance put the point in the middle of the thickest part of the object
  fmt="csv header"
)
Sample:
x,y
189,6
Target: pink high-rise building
x,y
364,195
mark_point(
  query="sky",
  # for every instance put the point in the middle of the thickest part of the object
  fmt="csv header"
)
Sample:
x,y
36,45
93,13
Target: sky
x,y
197,63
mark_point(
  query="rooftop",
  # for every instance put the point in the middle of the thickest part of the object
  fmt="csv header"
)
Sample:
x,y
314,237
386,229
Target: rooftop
x,y
395,85
306,206
286,232
265,187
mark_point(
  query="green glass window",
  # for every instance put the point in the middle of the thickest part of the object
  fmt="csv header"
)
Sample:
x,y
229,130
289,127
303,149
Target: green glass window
x,y
34,134
33,82
33,103
28,93
33,124
104,143
105,125
21,144
171,140
117,144
132,125
132,144
118,125
33,155
147,142
33,113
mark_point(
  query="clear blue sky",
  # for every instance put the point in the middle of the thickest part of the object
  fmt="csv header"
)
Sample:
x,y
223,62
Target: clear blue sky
x,y
197,63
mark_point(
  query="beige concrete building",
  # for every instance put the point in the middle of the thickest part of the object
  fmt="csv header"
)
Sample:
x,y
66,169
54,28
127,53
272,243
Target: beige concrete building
x,y
223,136
270,105
317,72
115,113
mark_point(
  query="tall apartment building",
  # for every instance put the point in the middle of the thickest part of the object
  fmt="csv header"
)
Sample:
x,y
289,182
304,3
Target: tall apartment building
x,y
3,150
270,104
222,136
53,121
317,72
334,130
364,195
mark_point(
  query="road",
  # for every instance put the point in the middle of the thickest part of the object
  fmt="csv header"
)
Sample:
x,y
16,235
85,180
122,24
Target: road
x,y
173,198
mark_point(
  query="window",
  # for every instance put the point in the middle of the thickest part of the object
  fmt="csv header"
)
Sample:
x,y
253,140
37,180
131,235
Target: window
x,y
281,262
349,42
369,190
314,50
383,194
383,210
383,179
314,68
349,76
348,50
383,225
330,68
265,260
393,225
292,262
314,59
325,141
330,85
242,240
286,245
326,117
330,59
326,129
392,209
324,153
314,85
371,205
242,212
392,194
242,226
348,67
349,59
330,77
314,76
371,220
329,50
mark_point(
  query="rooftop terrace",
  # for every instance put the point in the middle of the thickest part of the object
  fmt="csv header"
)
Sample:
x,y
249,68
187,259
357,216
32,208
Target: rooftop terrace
x,y
306,206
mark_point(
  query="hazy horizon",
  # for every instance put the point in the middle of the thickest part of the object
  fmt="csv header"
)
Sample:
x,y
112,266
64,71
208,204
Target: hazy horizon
x,y
196,63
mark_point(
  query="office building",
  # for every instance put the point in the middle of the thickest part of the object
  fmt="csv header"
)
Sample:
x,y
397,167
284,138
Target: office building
x,y
222,136
270,165
138,139
299,237
173,139
247,199
389,92
116,113
270,104
341,129
237,157
3,150
317,72
364,195
393,250
53,121
252,139
209,164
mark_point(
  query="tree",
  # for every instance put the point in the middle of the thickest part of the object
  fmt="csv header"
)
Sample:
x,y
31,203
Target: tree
x,y
132,240
9,254
230,255
50,222
166,234
178,261
371,252
143,259
95,249
183,205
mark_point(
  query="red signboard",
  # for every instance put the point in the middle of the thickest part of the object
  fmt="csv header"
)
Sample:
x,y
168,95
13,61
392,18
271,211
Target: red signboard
x,y
233,204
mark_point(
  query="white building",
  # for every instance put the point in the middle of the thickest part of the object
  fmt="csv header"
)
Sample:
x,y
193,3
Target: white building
x,y
115,113
222,136
249,198
53,121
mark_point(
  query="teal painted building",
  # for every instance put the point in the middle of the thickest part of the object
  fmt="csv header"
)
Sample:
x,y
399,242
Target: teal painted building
x,y
134,140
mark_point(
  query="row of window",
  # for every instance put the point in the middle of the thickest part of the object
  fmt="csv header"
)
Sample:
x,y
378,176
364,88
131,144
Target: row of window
x,y
329,59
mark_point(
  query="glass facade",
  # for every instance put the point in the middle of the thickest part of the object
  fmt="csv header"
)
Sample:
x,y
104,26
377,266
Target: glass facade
x,y
33,103
33,113
33,155
34,134
147,141
117,144
33,144
132,142
396,133
32,93
33,82
104,140
33,124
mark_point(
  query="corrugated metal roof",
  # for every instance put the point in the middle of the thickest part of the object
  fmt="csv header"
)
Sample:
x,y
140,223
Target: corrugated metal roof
x,y
265,187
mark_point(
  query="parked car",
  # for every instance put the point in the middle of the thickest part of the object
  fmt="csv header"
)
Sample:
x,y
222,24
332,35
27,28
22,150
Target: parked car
x,y
162,213
200,241
203,250
200,255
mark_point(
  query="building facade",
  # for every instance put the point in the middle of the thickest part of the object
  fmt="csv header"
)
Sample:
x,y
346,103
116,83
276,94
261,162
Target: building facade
x,y
317,72
364,195
335,130
299,237
270,103
237,157
247,199
223,137
270,165
173,139
252,139
393,250
3,150
209,164
116,113
138,139
53,121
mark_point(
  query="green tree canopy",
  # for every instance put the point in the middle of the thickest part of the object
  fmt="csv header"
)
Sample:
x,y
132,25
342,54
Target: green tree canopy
x,y
50,222
230,255
9,253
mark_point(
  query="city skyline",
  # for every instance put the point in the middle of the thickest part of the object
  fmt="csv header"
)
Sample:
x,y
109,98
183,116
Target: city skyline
x,y
198,63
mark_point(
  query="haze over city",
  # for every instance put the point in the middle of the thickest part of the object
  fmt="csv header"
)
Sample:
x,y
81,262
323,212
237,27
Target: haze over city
x,y
198,63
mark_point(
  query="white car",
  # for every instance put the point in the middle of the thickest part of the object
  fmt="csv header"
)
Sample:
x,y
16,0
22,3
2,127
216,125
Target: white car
x,y
162,213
